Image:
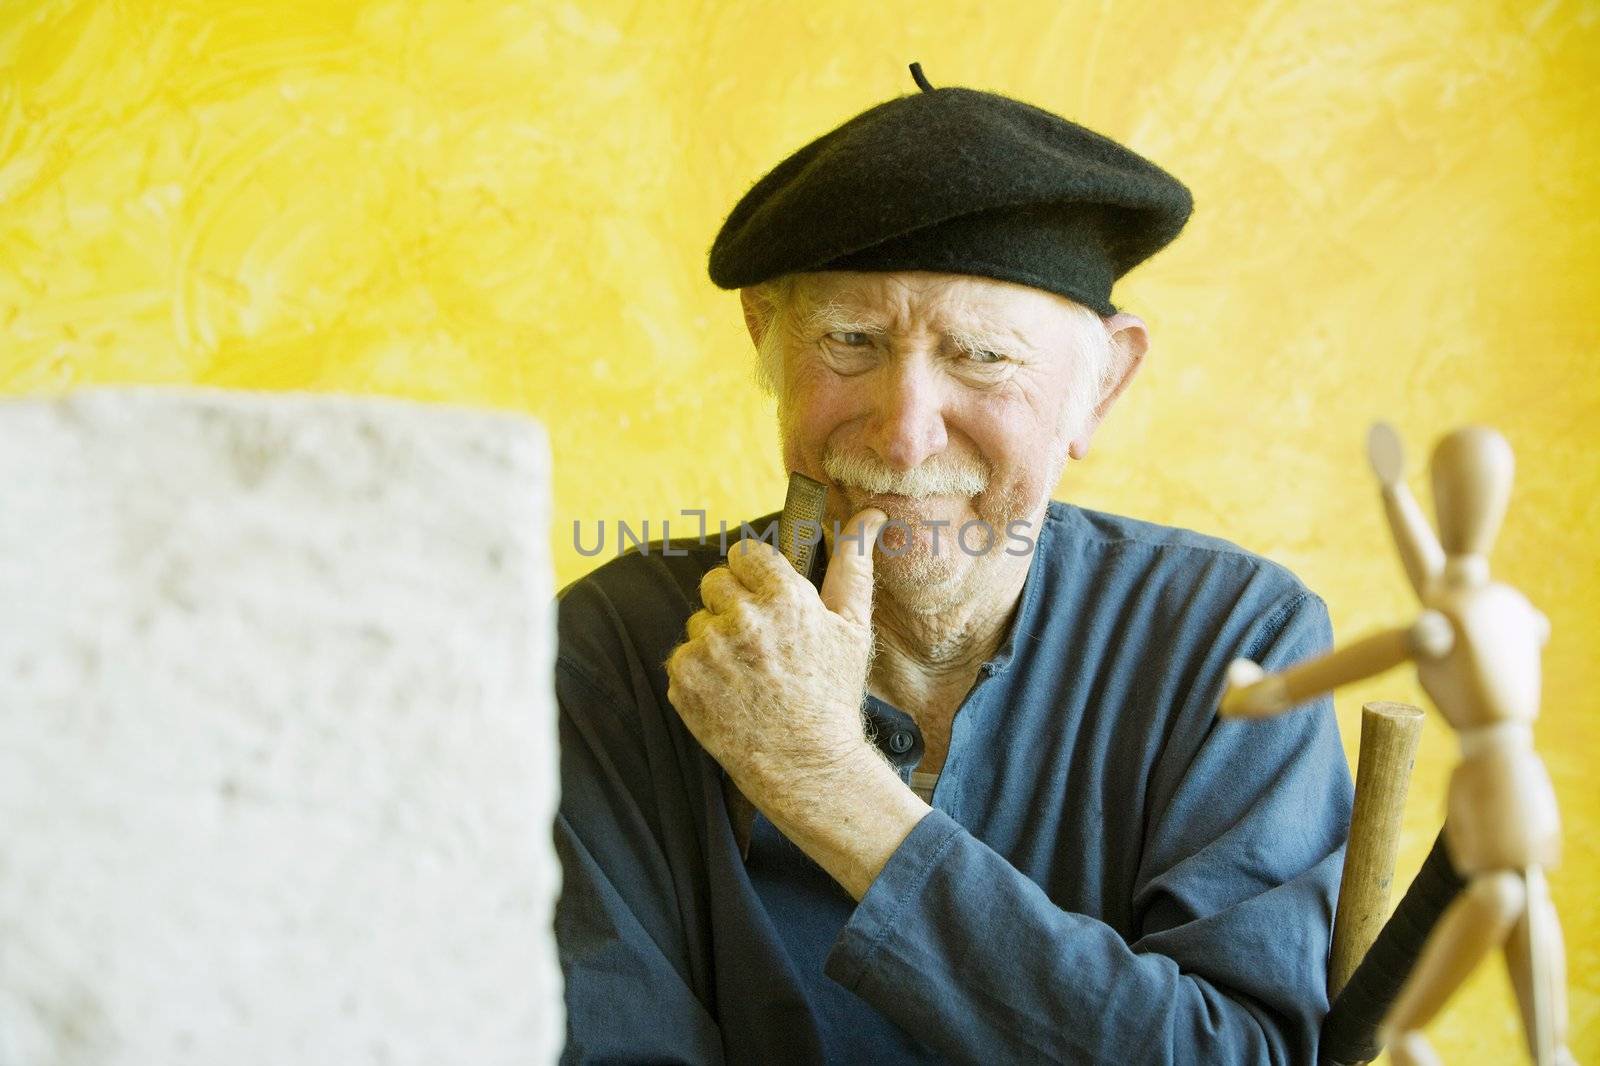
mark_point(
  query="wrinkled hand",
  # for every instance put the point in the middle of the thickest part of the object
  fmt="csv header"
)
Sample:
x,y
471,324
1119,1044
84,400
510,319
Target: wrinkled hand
x,y
771,678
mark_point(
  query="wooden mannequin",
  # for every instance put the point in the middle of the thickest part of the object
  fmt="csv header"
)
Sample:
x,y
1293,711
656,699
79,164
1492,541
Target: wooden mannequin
x,y
1476,645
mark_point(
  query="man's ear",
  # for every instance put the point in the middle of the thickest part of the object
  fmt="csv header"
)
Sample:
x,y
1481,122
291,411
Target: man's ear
x,y
757,314
1129,342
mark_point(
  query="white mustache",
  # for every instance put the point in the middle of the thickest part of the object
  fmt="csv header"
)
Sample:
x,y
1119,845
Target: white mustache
x,y
939,476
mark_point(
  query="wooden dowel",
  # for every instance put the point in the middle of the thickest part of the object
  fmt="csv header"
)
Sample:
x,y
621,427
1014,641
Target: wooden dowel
x,y
1389,734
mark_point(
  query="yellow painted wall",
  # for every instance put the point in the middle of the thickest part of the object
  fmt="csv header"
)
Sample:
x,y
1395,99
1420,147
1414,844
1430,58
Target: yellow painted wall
x,y
509,204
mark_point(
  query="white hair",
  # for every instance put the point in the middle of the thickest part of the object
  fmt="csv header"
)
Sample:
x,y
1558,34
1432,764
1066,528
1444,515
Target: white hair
x,y
1091,373
776,300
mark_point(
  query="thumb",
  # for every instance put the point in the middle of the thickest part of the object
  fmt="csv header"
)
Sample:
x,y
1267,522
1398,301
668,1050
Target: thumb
x,y
847,586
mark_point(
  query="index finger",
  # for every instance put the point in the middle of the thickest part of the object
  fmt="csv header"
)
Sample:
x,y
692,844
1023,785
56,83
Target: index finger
x,y
759,565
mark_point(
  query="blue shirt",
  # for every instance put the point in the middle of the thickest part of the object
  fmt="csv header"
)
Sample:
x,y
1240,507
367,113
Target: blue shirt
x,y
1110,873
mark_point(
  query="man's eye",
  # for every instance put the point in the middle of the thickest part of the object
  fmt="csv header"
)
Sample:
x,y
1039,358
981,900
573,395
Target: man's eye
x,y
983,355
851,339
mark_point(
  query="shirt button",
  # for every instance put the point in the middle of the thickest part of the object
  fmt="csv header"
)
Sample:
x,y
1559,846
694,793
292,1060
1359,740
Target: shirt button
x,y
900,742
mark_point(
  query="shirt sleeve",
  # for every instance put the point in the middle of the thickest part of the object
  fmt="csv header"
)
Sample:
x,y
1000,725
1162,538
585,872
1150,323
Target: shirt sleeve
x,y
1233,903
628,969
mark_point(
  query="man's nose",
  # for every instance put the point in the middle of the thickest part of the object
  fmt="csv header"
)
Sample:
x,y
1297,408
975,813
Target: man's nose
x,y
909,420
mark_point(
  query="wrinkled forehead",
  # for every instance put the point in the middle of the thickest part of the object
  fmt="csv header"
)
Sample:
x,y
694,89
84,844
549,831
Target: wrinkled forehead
x,y
921,299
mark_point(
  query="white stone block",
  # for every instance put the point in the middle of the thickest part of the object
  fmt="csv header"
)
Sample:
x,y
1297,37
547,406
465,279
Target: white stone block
x,y
277,737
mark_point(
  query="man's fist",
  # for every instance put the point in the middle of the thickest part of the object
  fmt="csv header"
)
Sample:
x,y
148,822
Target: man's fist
x,y
772,675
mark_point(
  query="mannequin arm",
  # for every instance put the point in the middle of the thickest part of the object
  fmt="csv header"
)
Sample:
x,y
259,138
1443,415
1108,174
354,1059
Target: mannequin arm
x,y
1250,693
1419,548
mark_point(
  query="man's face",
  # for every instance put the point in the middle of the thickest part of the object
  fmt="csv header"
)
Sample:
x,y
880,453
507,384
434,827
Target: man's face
x,y
937,398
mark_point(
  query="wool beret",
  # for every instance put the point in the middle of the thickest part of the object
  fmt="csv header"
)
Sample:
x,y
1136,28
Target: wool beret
x,y
957,181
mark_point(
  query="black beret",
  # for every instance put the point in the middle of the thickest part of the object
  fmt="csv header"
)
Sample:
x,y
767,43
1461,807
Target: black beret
x,y
961,182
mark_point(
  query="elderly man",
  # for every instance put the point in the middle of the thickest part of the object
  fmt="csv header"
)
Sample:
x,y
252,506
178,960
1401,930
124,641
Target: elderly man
x,y
996,816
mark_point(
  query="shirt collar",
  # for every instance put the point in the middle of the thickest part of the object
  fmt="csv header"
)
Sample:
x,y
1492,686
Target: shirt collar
x,y
1030,603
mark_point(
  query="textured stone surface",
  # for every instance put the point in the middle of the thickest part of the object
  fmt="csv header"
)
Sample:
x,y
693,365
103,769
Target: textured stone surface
x,y
277,754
